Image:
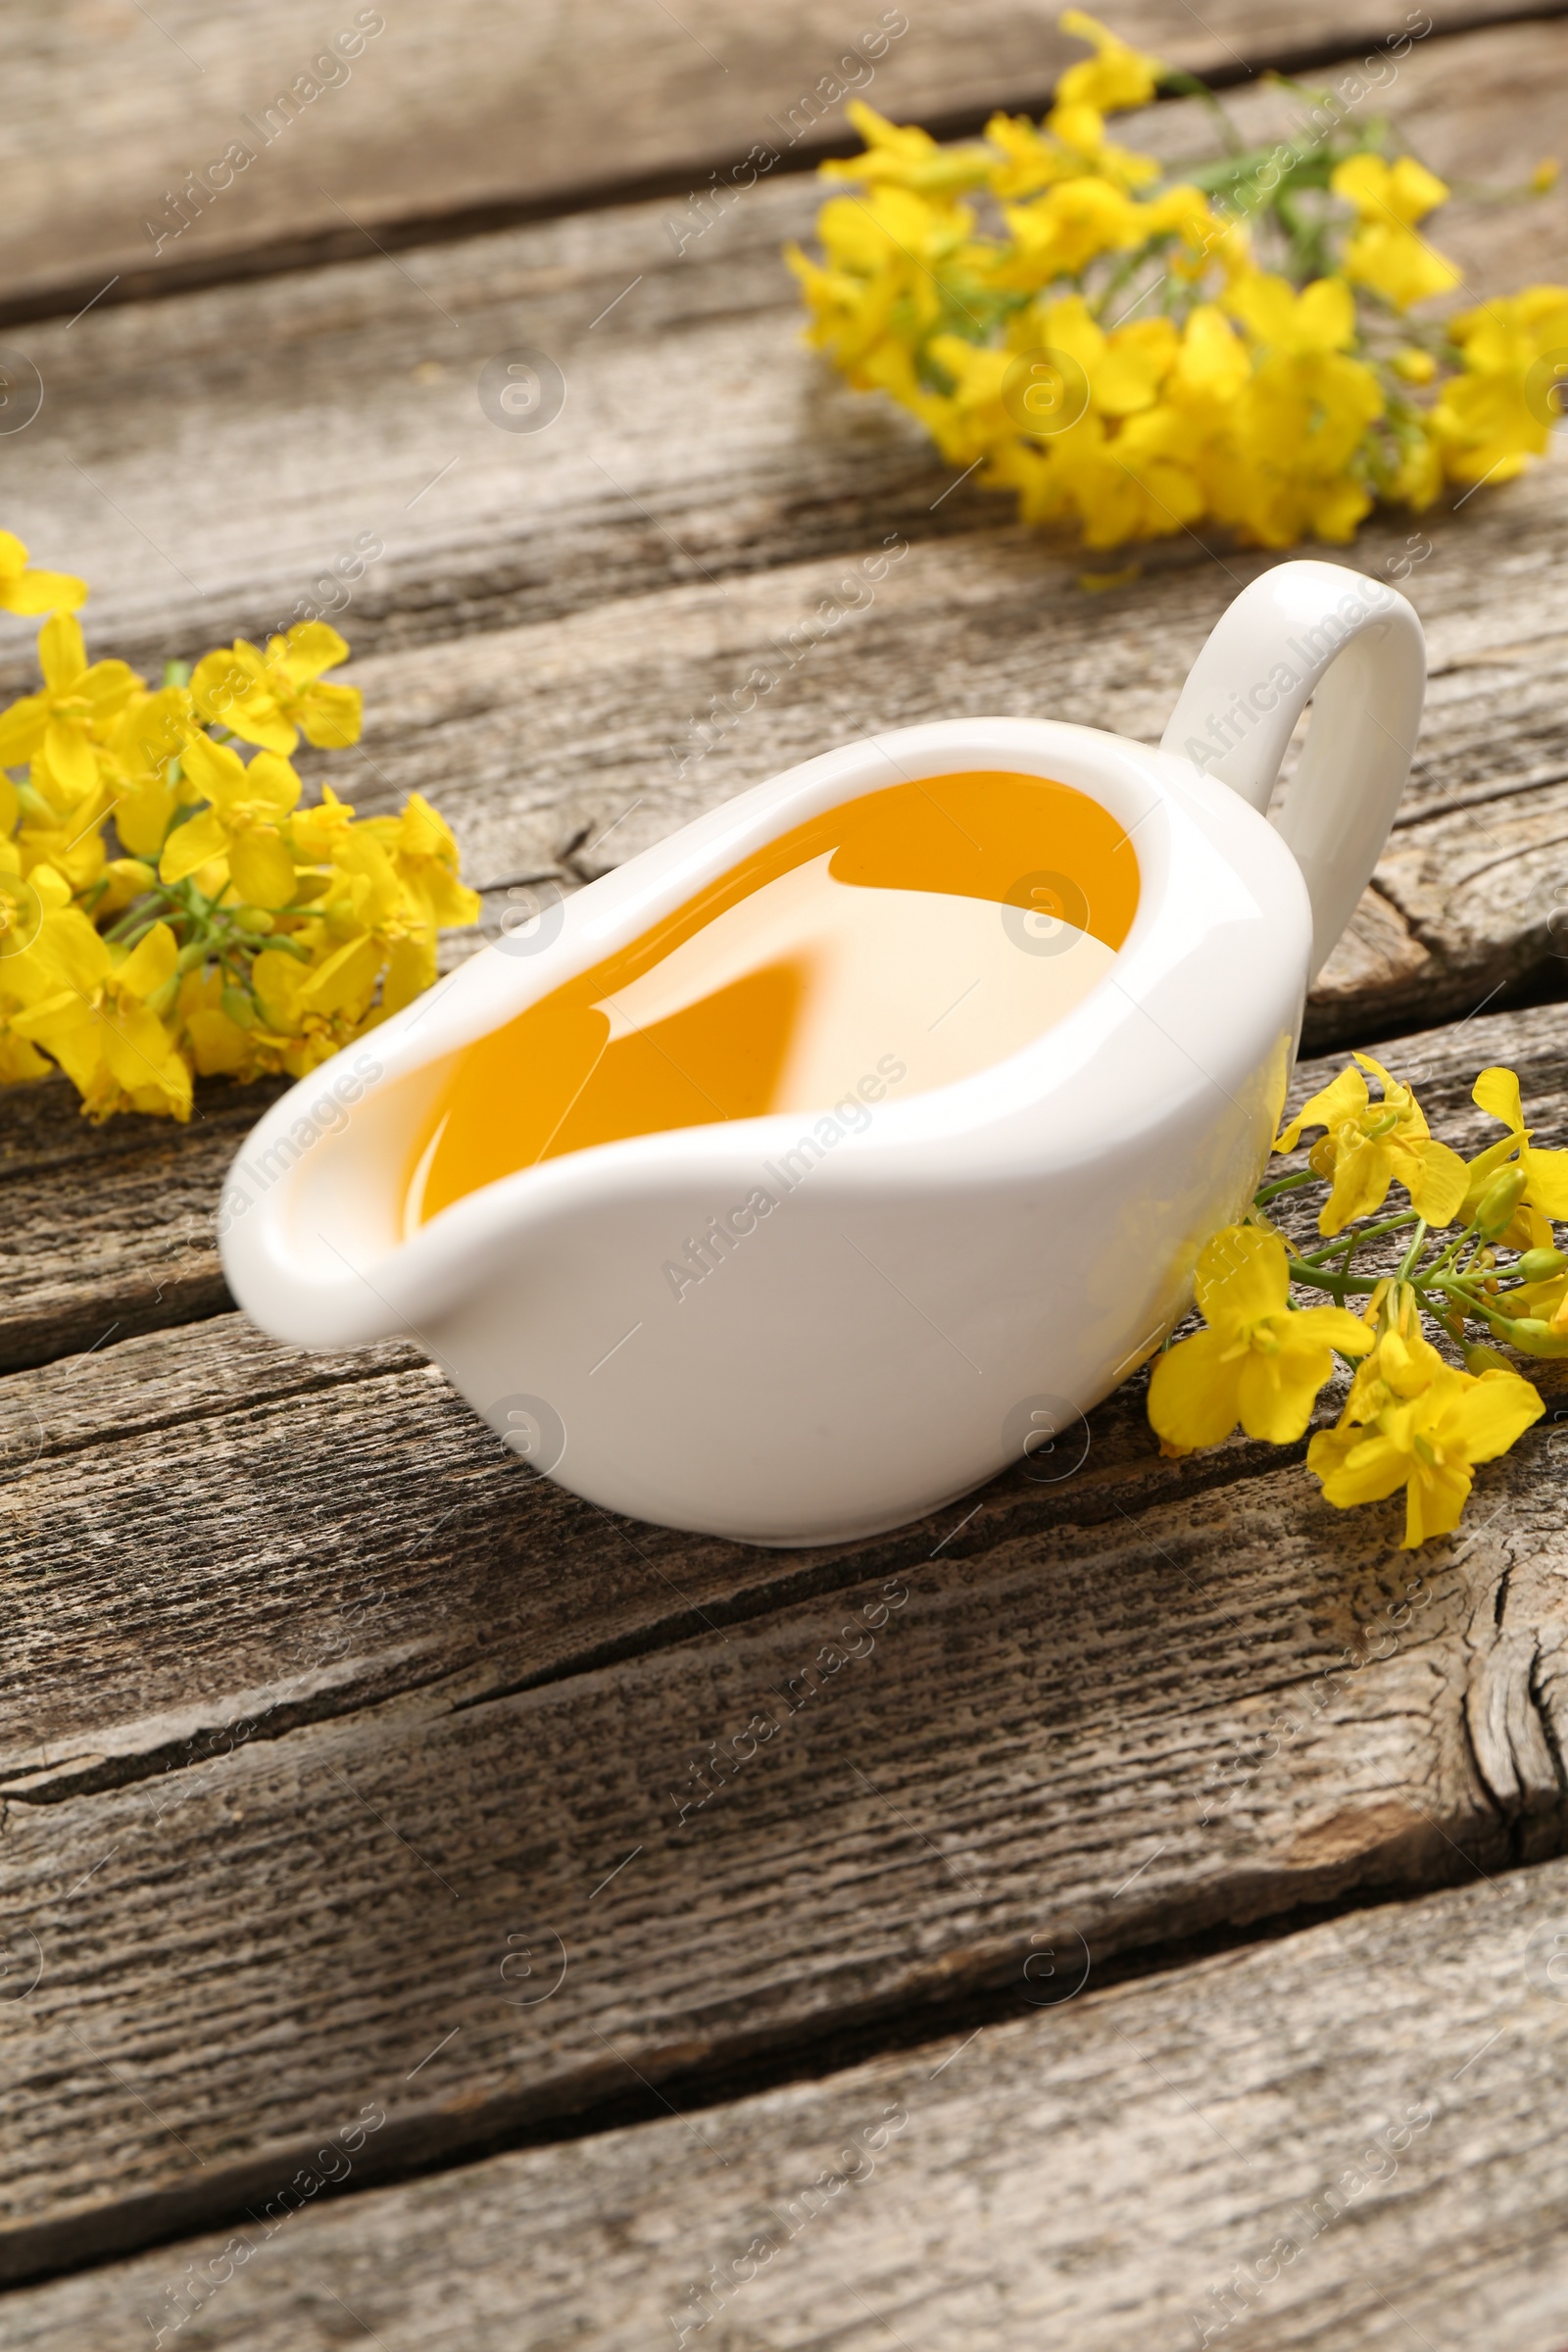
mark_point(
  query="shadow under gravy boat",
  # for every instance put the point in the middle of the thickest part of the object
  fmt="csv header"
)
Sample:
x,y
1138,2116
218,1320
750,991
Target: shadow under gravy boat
x,y
956,1280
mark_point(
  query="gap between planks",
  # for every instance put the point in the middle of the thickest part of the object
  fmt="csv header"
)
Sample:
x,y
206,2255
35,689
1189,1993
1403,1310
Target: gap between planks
x,y
1096,1671
912,90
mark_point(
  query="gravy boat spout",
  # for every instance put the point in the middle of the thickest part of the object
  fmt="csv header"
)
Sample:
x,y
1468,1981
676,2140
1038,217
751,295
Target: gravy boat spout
x,y
815,1323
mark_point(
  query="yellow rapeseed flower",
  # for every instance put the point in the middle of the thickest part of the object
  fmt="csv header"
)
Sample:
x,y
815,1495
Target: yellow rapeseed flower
x,y
1496,1092
272,699
23,590
152,732
1386,253
1114,79
65,724
1369,1146
902,155
86,1004
242,825
1290,429
1258,1362
1493,417
1413,1421
1285,469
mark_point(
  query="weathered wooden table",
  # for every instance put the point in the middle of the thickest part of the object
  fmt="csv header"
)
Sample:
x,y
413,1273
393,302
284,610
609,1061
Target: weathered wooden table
x,y
1150,1924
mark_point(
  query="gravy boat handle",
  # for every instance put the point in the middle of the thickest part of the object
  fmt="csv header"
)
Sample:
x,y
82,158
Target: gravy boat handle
x,y
1354,647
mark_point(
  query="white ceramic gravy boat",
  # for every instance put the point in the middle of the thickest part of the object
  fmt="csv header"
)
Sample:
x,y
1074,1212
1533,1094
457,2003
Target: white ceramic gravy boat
x,y
968,1270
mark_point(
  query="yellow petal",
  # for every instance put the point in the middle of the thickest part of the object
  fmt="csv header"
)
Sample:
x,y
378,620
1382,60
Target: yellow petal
x,y
271,780
1342,1099
222,678
71,757
279,980
1408,1365
1413,190
1362,1174
215,769
1327,1327
221,1047
68,952
1354,1469
139,1052
191,845
142,817
1488,1417
1325,315
1362,180
1192,1392
1440,1187
410,970
1242,1275
31,592
1548,1180
261,868
1434,1501
22,729
1496,1092
62,651
150,962
1276,1393
310,647
108,687
260,721
331,715
345,979
54,1019
1480,1171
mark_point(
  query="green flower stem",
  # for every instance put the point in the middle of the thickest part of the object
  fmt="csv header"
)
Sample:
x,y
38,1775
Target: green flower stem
x,y
1407,1263
1284,1184
1373,1232
1440,1264
1320,1279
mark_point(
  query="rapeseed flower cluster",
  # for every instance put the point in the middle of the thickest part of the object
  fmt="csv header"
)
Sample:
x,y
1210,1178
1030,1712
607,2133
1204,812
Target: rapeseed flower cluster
x,y
1412,1418
1132,355
167,908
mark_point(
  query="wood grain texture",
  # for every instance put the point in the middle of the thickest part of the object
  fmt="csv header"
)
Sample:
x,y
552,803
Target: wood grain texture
x,y
1347,2138
562,623
478,107
251,433
107,1231
331,1729
109,1228
1132,1702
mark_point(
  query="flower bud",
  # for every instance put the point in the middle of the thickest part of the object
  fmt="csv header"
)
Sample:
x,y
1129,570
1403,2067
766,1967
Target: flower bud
x,y
1536,1338
126,879
252,918
1501,1197
1537,1265
1486,1359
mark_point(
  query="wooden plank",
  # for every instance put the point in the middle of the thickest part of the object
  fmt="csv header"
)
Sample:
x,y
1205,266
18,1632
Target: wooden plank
x,y
89,1441
1170,1697
107,1231
640,716
573,561
615,710
733,450
351,130
1347,2136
